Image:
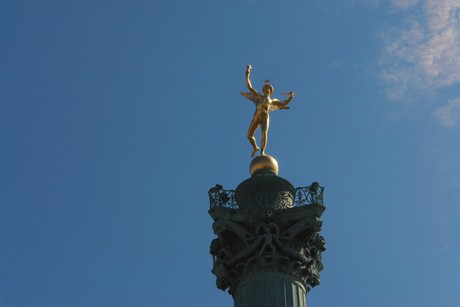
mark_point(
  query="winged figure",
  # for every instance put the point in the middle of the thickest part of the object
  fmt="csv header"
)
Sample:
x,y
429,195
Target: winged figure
x,y
264,104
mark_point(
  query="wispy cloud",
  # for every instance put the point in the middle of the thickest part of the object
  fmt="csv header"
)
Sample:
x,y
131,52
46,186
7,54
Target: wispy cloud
x,y
448,114
403,4
394,4
423,55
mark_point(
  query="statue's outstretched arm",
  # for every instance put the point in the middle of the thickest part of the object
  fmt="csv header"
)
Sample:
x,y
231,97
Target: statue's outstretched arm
x,y
288,100
248,82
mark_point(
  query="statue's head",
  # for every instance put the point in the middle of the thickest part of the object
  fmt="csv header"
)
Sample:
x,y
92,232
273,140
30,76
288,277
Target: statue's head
x,y
268,89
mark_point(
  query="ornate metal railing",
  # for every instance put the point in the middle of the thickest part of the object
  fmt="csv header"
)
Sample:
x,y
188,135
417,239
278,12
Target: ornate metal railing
x,y
298,197
218,197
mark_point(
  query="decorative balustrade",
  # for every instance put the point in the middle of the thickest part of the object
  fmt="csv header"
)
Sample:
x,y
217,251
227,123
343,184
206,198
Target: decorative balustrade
x,y
298,197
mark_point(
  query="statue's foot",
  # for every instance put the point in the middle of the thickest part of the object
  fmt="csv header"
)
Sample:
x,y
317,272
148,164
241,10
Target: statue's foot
x,y
254,151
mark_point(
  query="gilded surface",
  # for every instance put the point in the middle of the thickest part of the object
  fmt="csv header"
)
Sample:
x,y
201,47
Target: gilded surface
x,y
264,104
263,163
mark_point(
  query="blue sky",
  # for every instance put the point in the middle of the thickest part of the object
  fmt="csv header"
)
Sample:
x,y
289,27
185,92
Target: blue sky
x,y
117,117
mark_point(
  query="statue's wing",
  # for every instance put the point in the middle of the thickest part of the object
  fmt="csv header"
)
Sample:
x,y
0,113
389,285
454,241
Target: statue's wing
x,y
277,105
250,96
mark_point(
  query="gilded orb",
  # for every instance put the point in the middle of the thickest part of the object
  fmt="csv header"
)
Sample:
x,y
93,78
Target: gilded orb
x,y
264,162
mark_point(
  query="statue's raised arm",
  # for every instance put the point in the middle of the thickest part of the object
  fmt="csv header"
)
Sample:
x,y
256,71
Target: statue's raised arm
x,y
264,104
248,81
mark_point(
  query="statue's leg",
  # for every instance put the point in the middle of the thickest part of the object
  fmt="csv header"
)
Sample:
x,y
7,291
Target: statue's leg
x,y
252,129
264,128
262,249
273,249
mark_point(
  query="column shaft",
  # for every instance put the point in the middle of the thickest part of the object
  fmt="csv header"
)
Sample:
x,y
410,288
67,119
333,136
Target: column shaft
x,y
270,289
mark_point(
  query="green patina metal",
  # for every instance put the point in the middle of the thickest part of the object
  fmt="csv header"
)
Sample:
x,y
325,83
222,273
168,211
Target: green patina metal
x,y
268,248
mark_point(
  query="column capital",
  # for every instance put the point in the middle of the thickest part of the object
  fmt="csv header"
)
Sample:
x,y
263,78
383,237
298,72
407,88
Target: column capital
x,y
262,239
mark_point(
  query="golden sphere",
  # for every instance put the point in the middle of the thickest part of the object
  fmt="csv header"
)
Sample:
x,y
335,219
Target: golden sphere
x,y
263,163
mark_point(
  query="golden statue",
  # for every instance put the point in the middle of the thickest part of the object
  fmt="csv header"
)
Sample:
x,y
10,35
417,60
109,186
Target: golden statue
x,y
264,105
